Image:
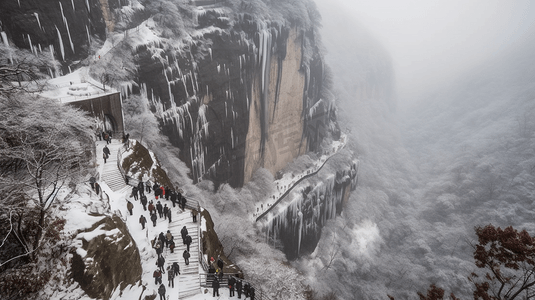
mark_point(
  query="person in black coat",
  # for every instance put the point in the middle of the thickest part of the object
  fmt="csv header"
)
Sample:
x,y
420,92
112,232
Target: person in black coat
x,y
160,262
186,256
171,277
188,241
167,192
134,192
176,268
246,290
173,198
238,288
231,283
184,232
159,208
169,215
142,221
141,188
144,202
153,218
215,286
251,293
161,291
165,211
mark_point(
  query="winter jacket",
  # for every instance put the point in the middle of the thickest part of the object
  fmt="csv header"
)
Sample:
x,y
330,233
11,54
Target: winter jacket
x,y
161,289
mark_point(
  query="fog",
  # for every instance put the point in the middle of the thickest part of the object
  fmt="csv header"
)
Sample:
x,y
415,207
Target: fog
x,y
432,42
437,98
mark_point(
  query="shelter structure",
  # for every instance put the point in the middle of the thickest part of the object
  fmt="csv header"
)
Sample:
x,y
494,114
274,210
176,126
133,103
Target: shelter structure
x,y
101,102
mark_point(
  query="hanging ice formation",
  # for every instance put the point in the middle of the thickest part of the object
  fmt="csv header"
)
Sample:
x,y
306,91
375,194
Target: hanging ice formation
x,y
38,21
302,214
66,26
6,43
61,44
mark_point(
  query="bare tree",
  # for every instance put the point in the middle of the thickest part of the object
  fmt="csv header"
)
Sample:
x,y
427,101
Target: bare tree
x,y
43,146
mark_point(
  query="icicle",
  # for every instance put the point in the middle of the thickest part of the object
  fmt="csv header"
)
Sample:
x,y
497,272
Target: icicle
x,y
72,3
38,21
88,35
87,4
31,46
210,50
232,137
18,2
66,26
61,44
6,42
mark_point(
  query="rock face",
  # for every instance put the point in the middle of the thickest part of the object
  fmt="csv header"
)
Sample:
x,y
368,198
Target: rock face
x,y
297,224
66,27
107,258
248,99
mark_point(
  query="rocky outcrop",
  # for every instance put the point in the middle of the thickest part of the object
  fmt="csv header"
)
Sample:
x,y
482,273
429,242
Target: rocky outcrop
x,y
296,223
107,258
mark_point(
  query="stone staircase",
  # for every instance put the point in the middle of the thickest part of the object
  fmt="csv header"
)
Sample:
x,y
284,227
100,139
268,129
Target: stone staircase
x,y
110,173
188,282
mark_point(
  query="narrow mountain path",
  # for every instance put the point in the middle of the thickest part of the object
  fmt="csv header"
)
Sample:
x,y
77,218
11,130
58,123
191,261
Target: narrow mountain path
x,y
187,283
110,172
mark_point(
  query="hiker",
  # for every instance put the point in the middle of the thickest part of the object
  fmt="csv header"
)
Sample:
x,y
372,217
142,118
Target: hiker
x,y
246,290
159,208
97,188
172,246
151,207
231,283
186,256
161,291
92,181
130,206
162,193
162,238
184,232
106,137
142,221
215,286
238,288
157,276
183,203
147,186
104,156
156,190
173,198
251,293
194,215
169,237
158,247
134,192
144,202
188,241
171,277
160,262
176,268
153,218
165,211
106,151
166,193
169,214
141,188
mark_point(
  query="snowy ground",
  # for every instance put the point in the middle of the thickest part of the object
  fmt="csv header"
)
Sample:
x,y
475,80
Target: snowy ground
x,y
75,86
289,180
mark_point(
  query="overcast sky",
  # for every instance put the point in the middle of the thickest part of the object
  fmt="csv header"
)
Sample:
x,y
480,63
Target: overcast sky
x,y
433,41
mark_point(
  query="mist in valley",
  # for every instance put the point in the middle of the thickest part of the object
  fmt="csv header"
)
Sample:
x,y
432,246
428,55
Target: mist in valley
x,y
438,99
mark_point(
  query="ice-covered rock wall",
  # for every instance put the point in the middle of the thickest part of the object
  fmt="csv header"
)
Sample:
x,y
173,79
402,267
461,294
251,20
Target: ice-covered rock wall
x,y
239,96
65,27
296,223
